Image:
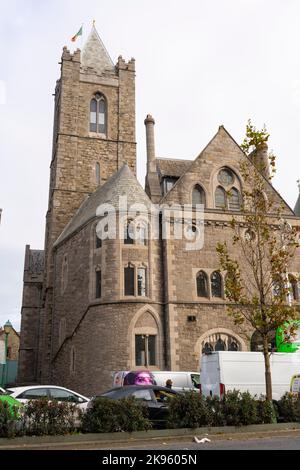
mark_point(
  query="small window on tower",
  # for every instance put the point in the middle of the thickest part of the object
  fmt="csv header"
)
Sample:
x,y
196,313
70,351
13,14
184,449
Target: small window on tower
x,y
129,280
93,116
98,114
98,285
101,117
142,282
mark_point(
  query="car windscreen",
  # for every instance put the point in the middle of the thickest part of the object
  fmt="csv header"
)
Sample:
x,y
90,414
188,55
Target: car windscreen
x,y
195,380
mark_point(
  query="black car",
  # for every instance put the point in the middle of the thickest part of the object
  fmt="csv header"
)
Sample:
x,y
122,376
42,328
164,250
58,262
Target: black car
x,y
156,399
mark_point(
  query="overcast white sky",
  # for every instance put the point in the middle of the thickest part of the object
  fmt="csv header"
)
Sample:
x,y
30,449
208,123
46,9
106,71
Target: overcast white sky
x,y
199,64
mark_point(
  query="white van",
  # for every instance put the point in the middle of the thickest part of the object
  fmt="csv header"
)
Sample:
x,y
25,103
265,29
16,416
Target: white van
x,y
182,381
245,371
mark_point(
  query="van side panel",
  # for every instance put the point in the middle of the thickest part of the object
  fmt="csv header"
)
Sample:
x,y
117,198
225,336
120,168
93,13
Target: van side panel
x,y
181,380
283,367
245,371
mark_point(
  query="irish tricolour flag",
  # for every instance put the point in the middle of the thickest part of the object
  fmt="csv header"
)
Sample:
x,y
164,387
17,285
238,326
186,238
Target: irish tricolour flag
x,y
76,35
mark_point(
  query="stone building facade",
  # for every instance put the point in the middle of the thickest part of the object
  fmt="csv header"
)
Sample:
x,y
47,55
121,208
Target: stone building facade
x,y
13,342
92,306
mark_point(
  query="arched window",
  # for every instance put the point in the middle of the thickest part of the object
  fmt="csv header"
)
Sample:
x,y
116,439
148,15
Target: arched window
x,y
93,115
198,195
220,345
142,282
207,348
129,280
129,232
220,198
216,284
228,191
98,285
202,290
135,232
145,350
98,114
233,346
234,200
97,173
141,232
220,342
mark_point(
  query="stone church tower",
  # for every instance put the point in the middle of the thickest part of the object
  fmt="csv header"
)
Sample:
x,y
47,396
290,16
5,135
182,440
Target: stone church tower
x,y
85,154
93,306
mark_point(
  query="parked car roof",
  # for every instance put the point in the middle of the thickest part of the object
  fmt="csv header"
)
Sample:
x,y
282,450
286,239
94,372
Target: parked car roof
x,y
16,390
127,389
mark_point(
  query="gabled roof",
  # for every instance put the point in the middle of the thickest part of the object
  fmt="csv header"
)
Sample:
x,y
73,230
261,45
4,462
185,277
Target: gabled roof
x,y
193,164
122,183
95,55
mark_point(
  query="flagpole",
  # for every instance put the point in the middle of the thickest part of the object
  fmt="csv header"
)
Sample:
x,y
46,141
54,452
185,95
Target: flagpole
x,y
81,36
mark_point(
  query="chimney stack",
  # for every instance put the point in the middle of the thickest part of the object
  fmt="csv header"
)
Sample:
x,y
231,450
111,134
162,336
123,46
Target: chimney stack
x,y
261,159
149,123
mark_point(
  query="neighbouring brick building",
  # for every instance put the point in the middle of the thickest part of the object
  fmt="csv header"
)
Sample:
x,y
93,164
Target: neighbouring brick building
x,y
92,307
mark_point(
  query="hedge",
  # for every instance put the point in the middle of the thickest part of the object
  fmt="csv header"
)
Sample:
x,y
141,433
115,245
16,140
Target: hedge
x,y
107,415
188,410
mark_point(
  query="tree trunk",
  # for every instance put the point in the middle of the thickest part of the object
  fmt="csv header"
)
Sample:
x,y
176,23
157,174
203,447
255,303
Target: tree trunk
x,y
267,370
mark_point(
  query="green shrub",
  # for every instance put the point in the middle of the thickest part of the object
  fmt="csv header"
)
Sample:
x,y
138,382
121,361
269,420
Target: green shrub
x,y
9,416
189,410
239,408
289,408
267,411
43,417
230,405
107,415
217,411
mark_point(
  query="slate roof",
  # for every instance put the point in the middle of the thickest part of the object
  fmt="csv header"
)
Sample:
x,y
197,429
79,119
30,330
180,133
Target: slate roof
x,y
122,183
297,206
172,167
95,55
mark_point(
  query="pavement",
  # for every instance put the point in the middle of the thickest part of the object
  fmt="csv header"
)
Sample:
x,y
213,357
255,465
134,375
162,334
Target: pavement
x,y
272,436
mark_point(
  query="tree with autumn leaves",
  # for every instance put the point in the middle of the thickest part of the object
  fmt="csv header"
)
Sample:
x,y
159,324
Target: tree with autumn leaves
x,y
257,283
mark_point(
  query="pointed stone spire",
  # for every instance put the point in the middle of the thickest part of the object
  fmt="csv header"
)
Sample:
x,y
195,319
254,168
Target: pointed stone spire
x,y
297,206
94,53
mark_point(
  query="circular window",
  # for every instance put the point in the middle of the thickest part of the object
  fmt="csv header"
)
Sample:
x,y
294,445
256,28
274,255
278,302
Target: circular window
x,y
226,177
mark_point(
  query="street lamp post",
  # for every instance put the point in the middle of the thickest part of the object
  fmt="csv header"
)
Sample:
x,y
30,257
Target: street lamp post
x,y
7,328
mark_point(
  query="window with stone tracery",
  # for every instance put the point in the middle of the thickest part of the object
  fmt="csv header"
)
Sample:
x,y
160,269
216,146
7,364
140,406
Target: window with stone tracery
x,y
98,114
227,196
